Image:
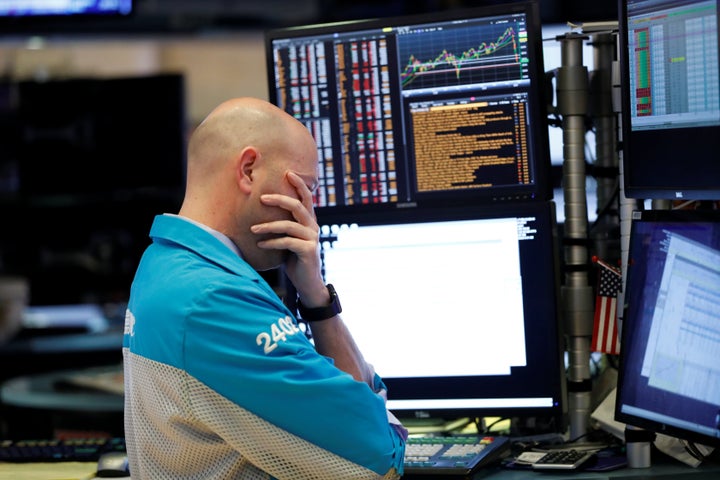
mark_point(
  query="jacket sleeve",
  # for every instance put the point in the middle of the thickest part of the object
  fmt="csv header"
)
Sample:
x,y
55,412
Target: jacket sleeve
x,y
248,348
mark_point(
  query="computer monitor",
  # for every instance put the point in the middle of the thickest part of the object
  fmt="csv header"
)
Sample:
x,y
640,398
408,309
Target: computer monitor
x,y
64,8
669,376
40,17
100,137
93,160
420,111
670,82
456,309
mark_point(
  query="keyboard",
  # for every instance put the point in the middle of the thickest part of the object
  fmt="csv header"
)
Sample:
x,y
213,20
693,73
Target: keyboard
x,y
67,450
453,455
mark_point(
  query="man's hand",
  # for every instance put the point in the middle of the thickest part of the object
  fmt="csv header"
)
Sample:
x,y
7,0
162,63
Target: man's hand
x,y
301,237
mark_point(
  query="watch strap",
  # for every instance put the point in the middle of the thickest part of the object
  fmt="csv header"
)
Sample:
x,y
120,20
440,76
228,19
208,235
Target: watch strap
x,y
317,314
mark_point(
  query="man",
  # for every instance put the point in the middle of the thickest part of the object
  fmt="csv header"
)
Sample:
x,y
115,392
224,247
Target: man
x,y
219,380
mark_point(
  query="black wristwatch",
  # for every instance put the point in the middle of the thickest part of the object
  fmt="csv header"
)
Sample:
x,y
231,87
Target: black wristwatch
x,y
321,313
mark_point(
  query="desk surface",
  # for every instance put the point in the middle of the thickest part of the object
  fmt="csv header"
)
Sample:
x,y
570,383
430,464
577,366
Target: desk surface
x,y
670,470
48,471
663,467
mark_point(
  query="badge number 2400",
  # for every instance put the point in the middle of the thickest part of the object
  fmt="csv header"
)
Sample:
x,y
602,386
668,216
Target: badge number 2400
x,y
279,331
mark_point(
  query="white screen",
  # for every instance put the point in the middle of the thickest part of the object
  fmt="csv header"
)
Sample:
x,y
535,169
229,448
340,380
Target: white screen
x,y
416,293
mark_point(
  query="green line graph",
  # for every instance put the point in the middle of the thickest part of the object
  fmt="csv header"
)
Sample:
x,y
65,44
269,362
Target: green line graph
x,y
457,60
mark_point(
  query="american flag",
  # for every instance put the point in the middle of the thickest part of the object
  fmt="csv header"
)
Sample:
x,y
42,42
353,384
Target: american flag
x,y
605,333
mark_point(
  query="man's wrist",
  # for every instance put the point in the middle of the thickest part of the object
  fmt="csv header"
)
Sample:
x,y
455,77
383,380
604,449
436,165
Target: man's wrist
x,y
317,314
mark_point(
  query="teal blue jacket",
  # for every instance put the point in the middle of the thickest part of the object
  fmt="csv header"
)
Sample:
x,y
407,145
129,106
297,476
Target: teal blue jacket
x,y
202,321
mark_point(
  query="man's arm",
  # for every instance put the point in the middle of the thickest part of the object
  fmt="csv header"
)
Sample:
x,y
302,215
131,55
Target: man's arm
x,y
333,339
303,267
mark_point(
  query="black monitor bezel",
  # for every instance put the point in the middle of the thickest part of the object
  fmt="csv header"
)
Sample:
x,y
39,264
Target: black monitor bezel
x,y
668,152
628,332
543,340
102,149
541,190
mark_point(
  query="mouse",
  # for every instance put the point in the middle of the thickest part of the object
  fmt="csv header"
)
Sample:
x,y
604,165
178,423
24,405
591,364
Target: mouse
x,y
113,465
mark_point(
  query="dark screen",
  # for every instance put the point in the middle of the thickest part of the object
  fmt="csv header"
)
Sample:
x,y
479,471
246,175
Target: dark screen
x,y
89,163
101,136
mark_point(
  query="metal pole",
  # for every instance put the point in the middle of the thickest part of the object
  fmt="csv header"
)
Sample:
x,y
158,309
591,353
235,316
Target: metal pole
x,y
605,232
577,295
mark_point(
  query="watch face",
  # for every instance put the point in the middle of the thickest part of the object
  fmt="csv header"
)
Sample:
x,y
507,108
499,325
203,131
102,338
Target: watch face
x,y
334,299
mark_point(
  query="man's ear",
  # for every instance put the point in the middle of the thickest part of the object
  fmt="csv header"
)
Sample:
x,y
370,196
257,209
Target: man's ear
x,y
244,167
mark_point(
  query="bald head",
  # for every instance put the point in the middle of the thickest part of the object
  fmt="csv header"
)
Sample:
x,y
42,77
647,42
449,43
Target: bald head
x,y
233,125
243,149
